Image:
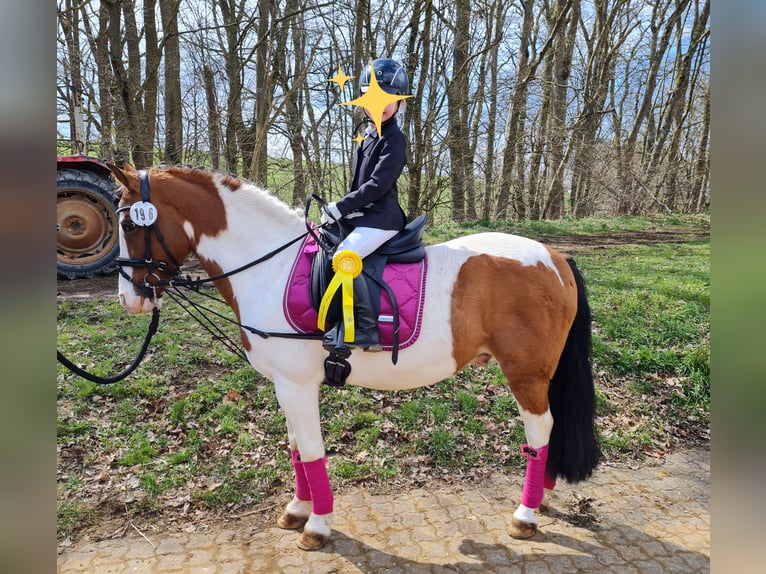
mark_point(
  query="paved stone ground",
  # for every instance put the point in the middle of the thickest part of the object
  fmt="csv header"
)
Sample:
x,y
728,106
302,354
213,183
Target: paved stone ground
x,y
655,518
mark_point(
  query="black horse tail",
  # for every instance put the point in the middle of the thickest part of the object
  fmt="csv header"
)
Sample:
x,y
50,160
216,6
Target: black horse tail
x,y
573,450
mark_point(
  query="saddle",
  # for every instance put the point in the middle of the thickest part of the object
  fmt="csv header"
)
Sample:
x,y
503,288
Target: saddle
x,y
405,247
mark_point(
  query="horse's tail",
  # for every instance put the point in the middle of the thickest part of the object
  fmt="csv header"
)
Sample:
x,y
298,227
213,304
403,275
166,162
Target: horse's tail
x,y
573,450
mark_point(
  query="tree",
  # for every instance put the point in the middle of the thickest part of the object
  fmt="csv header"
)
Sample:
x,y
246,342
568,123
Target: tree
x,y
608,98
457,96
172,100
515,119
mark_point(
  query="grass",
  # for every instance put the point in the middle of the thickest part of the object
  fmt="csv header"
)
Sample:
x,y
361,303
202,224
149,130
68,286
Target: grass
x,y
651,307
567,226
195,424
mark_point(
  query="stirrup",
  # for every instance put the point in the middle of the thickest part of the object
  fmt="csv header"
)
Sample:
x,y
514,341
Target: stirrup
x,y
336,367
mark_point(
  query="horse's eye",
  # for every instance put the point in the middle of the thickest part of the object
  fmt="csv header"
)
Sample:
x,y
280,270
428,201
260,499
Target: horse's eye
x,y
128,226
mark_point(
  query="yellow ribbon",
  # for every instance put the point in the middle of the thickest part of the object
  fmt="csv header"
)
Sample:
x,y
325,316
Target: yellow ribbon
x,y
347,265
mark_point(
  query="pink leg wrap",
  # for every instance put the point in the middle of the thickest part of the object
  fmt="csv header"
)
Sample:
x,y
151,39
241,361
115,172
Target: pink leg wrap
x,y
533,482
319,483
302,490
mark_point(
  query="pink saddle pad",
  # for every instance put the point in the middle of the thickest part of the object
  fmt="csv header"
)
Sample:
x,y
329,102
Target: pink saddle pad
x,y
407,281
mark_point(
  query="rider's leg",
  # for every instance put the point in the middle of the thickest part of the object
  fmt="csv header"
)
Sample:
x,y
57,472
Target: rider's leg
x,y
364,241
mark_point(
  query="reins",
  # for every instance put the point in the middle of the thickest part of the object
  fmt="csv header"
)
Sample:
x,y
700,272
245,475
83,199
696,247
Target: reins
x,y
108,380
194,309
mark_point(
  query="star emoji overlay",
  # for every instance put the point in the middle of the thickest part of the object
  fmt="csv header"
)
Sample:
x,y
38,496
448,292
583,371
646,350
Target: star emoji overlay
x,y
375,100
359,138
340,78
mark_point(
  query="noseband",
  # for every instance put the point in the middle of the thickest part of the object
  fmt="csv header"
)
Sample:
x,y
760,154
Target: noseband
x,y
144,214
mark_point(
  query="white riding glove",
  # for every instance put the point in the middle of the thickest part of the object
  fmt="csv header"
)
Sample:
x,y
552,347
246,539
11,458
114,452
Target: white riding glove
x,y
330,213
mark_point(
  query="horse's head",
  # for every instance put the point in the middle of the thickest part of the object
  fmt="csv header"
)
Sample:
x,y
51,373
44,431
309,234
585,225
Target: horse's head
x,y
153,243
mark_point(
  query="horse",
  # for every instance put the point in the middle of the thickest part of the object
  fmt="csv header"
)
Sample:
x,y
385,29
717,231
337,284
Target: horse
x,y
488,296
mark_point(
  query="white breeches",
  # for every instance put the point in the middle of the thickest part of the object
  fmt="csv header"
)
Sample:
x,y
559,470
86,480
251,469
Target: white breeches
x,y
365,240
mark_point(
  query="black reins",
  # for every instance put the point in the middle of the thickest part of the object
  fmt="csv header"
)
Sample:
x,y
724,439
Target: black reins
x,y
132,367
197,311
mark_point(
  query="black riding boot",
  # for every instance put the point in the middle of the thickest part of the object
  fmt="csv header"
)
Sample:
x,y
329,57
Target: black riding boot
x,y
366,333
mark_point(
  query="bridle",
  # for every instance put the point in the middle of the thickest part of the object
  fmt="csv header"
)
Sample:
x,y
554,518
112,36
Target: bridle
x,y
144,214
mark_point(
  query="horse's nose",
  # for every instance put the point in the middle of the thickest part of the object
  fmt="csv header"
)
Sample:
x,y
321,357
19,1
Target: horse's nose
x,y
136,304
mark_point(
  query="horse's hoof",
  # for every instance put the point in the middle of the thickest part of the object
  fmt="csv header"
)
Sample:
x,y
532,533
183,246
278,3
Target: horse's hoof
x,y
522,530
291,522
309,541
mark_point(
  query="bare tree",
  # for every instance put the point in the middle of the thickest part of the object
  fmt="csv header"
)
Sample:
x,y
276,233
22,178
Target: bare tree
x,y
607,97
172,100
495,19
557,130
516,117
458,98
612,25
214,119
671,121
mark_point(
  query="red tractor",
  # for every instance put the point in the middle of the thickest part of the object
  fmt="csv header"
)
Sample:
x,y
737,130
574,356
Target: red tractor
x,y
86,221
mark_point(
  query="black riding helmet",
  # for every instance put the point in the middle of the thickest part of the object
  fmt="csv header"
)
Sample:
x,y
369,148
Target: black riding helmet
x,y
390,75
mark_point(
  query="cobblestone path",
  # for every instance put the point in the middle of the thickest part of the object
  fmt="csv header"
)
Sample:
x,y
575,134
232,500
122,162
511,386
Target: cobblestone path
x,y
655,518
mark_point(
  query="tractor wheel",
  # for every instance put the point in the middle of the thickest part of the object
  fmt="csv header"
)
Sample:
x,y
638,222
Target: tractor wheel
x,y
86,224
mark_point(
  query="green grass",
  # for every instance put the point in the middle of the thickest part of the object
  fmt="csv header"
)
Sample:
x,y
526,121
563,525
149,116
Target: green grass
x,y
569,226
196,423
651,306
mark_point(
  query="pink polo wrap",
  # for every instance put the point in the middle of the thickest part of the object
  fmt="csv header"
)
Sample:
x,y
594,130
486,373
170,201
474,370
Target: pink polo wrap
x,y
302,490
319,483
535,479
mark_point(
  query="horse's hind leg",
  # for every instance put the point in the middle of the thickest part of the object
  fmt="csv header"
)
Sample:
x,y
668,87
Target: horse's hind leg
x,y
537,429
532,398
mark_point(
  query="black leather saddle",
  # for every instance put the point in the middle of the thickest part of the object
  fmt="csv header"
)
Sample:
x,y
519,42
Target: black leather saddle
x,y
405,247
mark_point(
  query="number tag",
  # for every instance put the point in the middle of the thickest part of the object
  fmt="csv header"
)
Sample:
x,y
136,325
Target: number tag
x,y
143,213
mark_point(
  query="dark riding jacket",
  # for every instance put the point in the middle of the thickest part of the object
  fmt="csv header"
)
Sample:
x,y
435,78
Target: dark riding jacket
x,y
374,195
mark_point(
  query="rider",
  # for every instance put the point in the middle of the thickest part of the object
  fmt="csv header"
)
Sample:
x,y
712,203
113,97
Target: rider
x,y
371,207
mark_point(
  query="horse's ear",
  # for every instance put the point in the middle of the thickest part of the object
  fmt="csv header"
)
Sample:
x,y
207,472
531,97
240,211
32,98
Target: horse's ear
x,y
121,173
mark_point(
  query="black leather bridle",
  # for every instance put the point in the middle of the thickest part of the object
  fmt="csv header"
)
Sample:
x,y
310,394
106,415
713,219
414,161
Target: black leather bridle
x,y
151,280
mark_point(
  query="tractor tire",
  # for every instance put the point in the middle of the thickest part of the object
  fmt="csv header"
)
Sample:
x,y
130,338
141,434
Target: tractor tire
x,y
86,224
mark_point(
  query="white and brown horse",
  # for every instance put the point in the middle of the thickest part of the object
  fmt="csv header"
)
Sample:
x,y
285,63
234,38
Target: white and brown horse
x,y
488,295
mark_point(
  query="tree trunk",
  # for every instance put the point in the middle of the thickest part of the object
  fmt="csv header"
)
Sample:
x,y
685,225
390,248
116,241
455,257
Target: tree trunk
x,y
702,167
675,109
171,50
516,119
495,21
294,103
69,21
562,66
419,50
603,47
263,96
213,118
236,137
457,96
104,82
659,45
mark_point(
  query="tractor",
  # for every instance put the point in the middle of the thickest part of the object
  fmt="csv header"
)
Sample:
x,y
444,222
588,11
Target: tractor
x,y
86,219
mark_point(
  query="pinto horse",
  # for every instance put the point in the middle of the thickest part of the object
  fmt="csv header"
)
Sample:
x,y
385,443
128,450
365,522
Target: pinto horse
x,y
487,295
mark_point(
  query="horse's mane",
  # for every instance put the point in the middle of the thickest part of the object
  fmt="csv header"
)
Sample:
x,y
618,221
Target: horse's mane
x,y
249,195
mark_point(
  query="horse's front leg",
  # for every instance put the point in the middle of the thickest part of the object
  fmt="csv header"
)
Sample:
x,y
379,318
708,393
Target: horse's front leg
x,y
537,429
298,510
312,504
